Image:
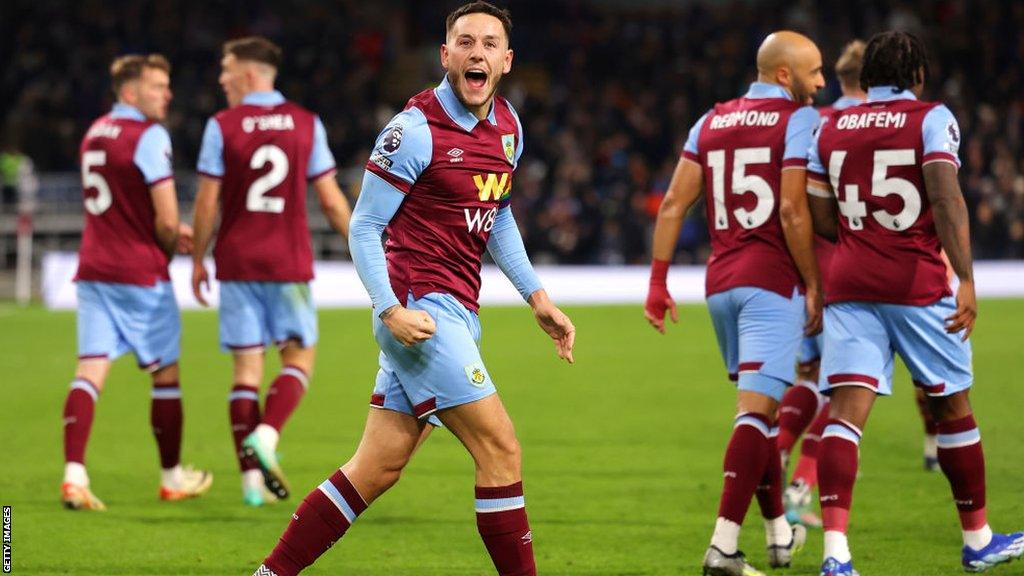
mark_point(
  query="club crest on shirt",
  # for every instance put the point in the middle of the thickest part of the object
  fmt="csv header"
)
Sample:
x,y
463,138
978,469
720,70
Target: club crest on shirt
x,y
392,141
476,375
508,144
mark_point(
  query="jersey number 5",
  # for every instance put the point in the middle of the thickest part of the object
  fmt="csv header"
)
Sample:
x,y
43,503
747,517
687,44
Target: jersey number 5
x,y
99,203
854,210
255,199
741,184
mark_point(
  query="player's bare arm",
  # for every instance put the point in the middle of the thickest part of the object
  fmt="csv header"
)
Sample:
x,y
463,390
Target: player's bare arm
x,y
953,227
203,220
823,208
683,191
555,323
165,207
333,203
795,216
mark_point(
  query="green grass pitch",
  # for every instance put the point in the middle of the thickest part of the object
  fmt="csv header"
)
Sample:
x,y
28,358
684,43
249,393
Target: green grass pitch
x,y
622,456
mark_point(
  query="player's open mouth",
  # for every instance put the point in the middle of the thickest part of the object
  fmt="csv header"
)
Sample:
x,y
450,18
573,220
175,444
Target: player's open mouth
x,y
476,78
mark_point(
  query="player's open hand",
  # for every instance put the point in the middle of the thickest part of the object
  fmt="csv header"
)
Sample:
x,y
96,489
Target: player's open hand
x,y
200,281
813,303
658,302
410,327
966,310
185,243
555,323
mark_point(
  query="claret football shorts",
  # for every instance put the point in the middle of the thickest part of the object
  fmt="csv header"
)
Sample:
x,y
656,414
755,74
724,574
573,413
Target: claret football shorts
x,y
759,334
861,338
442,372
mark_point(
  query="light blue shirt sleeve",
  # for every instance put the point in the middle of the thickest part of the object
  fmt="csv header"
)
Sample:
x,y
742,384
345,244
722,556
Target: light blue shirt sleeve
x,y
941,133
799,132
153,154
519,136
405,146
813,156
506,248
378,203
211,151
691,139
321,161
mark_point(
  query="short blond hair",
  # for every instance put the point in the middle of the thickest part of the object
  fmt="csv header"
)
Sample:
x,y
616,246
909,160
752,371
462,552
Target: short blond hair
x,y
124,69
850,63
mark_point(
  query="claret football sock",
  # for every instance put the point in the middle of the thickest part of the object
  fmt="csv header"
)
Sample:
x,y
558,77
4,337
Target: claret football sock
x,y
806,470
963,462
79,409
746,459
796,412
837,472
244,409
505,530
320,521
284,395
165,417
769,491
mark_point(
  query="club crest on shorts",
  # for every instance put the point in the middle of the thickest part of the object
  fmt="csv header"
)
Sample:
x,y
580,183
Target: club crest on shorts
x,y
476,375
508,144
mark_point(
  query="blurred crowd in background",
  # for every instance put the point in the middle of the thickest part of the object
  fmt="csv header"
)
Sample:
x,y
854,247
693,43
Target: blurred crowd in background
x,y
607,91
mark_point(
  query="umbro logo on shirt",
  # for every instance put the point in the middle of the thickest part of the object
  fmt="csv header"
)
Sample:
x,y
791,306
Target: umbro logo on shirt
x,y
456,154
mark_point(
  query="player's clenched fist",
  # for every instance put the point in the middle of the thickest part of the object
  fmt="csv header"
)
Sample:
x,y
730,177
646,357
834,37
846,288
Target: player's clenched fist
x,y
185,239
409,327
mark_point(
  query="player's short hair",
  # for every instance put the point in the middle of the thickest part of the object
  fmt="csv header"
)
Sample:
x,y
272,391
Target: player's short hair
x,y
850,63
254,49
894,58
124,69
480,7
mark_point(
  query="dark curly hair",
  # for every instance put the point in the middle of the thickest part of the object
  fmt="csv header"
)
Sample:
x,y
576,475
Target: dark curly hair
x,y
894,58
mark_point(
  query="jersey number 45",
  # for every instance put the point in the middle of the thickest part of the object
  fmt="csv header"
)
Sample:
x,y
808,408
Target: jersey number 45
x,y
855,210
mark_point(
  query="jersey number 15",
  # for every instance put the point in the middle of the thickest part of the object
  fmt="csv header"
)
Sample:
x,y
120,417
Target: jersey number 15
x,y
741,183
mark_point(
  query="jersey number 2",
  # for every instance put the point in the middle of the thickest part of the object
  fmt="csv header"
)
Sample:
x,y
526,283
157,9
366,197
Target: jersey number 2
x,y
741,184
255,199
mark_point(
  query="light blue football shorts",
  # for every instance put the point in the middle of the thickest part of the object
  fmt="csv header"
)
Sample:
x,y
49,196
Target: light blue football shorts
x,y
254,314
810,349
114,319
862,337
759,333
442,372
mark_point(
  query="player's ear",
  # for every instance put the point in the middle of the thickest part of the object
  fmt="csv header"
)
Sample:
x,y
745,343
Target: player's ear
x,y
508,62
444,56
784,76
